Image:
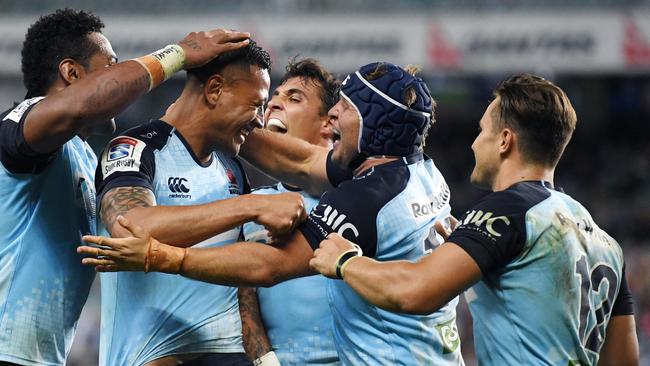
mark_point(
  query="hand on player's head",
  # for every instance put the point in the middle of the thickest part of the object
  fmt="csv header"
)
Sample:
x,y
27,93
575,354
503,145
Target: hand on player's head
x,y
201,47
117,254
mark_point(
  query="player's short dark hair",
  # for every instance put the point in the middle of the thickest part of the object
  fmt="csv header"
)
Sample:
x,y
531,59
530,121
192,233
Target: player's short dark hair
x,y
53,38
250,55
539,112
311,69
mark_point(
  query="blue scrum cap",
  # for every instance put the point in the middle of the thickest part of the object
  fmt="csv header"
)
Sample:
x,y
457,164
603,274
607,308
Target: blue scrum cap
x,y
388,126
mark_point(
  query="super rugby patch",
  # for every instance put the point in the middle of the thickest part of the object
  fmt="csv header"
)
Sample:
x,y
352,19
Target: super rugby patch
x,y
123,154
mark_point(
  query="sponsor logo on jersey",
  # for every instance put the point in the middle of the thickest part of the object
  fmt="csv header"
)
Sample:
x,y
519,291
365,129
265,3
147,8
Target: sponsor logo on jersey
x,y
178,186
449,334
484,222
335,220
122,155
424,210
17,113
233,187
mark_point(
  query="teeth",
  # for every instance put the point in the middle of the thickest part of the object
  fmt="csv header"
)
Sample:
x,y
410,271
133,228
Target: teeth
x,y
275,124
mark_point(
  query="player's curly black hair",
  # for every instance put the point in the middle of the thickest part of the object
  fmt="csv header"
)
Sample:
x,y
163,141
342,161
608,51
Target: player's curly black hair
x,y
53,38
252,54
311,69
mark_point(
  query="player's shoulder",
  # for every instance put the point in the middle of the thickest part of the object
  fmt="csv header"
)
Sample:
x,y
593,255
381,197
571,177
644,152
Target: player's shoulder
x,y
379,183
516,199
154,134
19,111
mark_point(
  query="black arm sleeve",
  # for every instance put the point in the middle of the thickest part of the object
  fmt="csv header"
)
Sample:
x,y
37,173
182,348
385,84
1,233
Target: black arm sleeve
x,y
128,160
335,173
624,304
493,232
15,154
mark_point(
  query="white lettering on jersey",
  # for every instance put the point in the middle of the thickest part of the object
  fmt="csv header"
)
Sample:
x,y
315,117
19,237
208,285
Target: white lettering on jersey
x,y
478,218
17,113
336,221
123,154
426,208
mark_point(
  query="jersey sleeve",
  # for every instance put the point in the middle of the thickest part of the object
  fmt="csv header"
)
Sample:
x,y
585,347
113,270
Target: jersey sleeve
x,y
335,173
624,303
128,160
492,232
15,154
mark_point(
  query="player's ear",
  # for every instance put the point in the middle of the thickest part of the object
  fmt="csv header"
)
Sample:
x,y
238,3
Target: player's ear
x,y
506,141
70,71
213,88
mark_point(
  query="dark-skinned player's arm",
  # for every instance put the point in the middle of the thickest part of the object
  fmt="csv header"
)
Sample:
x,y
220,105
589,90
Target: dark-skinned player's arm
x,y
187,225
238,264
103,94
256,342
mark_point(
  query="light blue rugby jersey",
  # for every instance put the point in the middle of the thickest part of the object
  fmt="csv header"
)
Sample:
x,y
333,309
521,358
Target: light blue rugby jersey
x,y
296,313
148,316
389,211
48,203
551,278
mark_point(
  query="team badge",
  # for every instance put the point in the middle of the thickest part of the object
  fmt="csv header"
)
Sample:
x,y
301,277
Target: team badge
x,y
122,155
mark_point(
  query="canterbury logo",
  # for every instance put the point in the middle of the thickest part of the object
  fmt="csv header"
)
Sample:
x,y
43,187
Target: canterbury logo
x,y
336,221
177,185
479,218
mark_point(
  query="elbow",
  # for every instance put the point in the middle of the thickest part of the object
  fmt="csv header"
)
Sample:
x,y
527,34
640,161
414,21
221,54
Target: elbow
x,y
265,276
409,296
411,303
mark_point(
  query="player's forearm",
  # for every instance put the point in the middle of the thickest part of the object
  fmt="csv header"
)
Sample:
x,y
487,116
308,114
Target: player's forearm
x,y
187,225
288,159
256,342
240,264
388,285
93,99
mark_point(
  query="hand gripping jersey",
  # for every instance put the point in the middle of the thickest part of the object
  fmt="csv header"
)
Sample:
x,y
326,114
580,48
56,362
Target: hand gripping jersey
x,y
551,278
148,316
389,211
296,313
48,203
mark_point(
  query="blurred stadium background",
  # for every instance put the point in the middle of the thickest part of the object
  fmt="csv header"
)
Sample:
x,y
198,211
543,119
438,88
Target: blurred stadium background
x,y
598,51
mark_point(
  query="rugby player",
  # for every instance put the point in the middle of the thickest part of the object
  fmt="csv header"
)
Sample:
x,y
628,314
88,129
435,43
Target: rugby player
x,y
548,285
74,88
389,209
178,177
298,334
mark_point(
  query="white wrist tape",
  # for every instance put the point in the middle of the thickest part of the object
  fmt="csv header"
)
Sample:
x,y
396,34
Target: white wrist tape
x,y
162,64
269,359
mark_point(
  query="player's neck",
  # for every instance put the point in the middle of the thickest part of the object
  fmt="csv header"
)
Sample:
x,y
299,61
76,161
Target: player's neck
x,y
188,121
373,161
510,174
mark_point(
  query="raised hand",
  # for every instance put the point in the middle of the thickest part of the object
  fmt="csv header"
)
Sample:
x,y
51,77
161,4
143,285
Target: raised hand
x,y
201,47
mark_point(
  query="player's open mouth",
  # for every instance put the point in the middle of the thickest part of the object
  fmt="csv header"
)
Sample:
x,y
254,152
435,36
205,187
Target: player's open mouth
x,y
275,125
336,135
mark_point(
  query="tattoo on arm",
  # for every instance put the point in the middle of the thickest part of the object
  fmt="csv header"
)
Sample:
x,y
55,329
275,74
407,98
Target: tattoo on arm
x,y
115,90
256,343
119,200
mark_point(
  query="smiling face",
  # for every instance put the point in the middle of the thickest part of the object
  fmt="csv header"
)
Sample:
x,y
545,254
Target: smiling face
x,y
347,123
296,109
240,107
